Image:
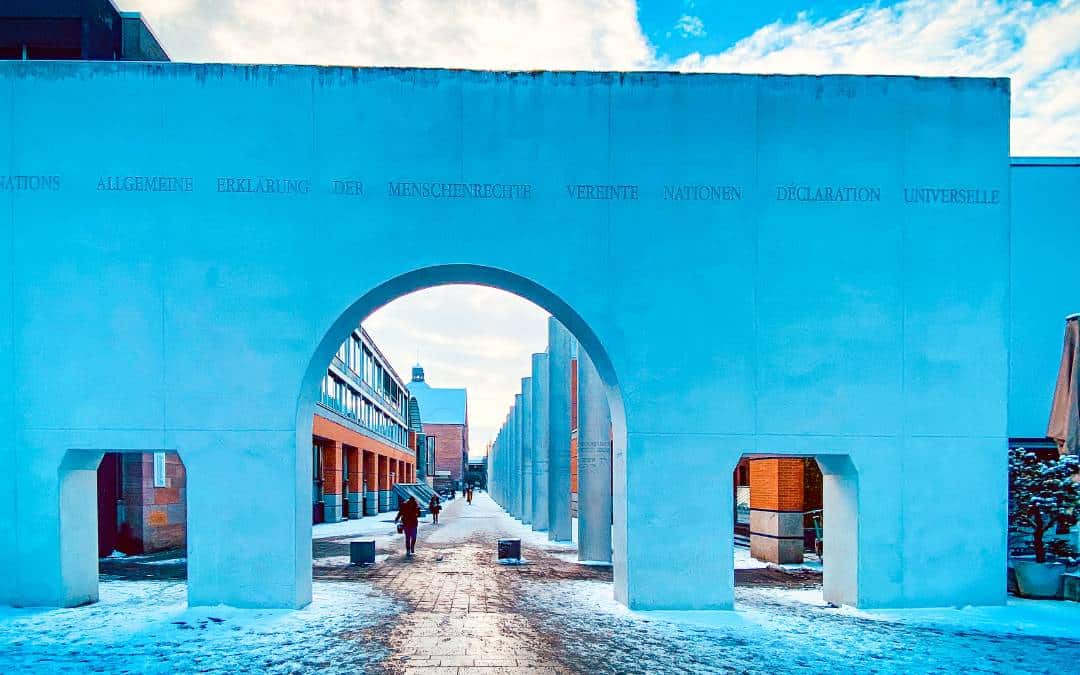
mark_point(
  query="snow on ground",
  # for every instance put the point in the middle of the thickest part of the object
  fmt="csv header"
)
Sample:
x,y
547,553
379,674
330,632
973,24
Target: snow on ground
x,y
368,526
1019,616
744,561
777,630
166,561
463,520
147,627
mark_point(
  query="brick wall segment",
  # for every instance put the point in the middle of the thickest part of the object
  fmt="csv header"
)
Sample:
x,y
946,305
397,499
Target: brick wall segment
x,y
331,474
777,484
450,447
355,468
369,468
573,464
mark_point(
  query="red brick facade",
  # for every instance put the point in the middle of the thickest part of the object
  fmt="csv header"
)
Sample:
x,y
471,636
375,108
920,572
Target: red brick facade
x,y
135,515
451,448
777,484
370,460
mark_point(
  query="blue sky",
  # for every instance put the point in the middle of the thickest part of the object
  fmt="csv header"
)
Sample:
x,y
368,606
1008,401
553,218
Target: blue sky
x,y
722,24
489,336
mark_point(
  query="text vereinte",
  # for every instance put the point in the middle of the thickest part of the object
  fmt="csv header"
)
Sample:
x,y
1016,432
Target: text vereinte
x,y
613,192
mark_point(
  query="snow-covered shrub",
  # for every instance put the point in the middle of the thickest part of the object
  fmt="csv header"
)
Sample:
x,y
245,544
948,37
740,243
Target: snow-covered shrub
x,y
1043,495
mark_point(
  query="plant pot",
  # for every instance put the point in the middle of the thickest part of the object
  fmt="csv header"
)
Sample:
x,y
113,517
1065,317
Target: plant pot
x,y
1039,580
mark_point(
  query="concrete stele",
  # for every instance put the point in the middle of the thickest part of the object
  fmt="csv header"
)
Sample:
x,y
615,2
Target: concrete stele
x,y
559,521
540,393
594,464
519,457
525,477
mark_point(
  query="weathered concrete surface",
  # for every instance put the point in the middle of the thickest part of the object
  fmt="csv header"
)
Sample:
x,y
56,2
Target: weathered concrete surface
x,y
746,321
540,441
594,464
527,457
559,364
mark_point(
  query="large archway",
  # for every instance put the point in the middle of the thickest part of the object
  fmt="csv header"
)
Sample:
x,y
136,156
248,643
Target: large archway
x,y
469,274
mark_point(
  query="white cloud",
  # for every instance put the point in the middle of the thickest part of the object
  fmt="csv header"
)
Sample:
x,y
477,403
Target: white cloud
x,y
523,34
1038,46
690,26
468,336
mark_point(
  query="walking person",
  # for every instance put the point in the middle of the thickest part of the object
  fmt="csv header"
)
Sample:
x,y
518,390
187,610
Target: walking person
x,y
409,516
468,495
434,506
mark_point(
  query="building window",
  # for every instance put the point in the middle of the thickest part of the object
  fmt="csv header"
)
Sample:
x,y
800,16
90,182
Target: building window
x,y
316,473
160,477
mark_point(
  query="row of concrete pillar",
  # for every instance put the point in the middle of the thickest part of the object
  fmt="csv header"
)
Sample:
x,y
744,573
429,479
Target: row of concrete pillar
x,y
529,468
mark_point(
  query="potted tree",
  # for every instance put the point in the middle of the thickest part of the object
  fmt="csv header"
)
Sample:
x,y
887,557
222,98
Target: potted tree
x,y
1043,496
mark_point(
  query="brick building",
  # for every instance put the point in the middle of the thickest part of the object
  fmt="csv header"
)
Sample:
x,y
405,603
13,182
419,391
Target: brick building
x,y
446,423
777,502
362,443
142,502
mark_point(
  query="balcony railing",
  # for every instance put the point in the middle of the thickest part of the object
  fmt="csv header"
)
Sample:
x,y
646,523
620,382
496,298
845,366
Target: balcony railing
x,y
363,386
334,404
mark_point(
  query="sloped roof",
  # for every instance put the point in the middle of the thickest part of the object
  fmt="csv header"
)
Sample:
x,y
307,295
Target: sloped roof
x,y
440,406
414,416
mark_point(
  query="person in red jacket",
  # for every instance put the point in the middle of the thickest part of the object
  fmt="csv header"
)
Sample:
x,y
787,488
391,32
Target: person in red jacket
x,y
409,516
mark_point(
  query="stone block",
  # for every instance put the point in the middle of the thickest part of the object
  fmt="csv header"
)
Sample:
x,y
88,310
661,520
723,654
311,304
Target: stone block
x,y
509,549
362,551
776,550
1072,587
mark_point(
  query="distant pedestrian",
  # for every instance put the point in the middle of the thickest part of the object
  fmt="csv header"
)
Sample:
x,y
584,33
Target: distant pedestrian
x,y
468,495
434,506
409,516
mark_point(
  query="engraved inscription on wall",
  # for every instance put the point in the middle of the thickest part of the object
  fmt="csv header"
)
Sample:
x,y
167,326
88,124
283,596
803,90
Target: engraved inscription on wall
x,y
609,192
352,188
145,184
828,193
284,186
29,183
952,195
703,193
436,190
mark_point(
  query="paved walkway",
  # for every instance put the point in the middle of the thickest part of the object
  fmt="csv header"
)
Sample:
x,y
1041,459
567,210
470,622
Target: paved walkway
x,y
460,607
454,609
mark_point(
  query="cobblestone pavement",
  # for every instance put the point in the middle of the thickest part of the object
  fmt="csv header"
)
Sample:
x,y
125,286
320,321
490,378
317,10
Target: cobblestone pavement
x,y
460,605
453,609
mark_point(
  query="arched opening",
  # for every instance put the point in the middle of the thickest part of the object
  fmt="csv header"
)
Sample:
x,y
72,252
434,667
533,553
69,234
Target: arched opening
x,y
122,516
783,506
314,396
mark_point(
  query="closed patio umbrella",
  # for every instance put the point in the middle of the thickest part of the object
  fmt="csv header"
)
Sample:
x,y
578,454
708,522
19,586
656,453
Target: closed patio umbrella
x,y
1064,424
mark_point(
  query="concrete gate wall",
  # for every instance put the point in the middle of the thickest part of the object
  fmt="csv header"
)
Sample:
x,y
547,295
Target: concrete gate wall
x,y
805,305
1045,285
